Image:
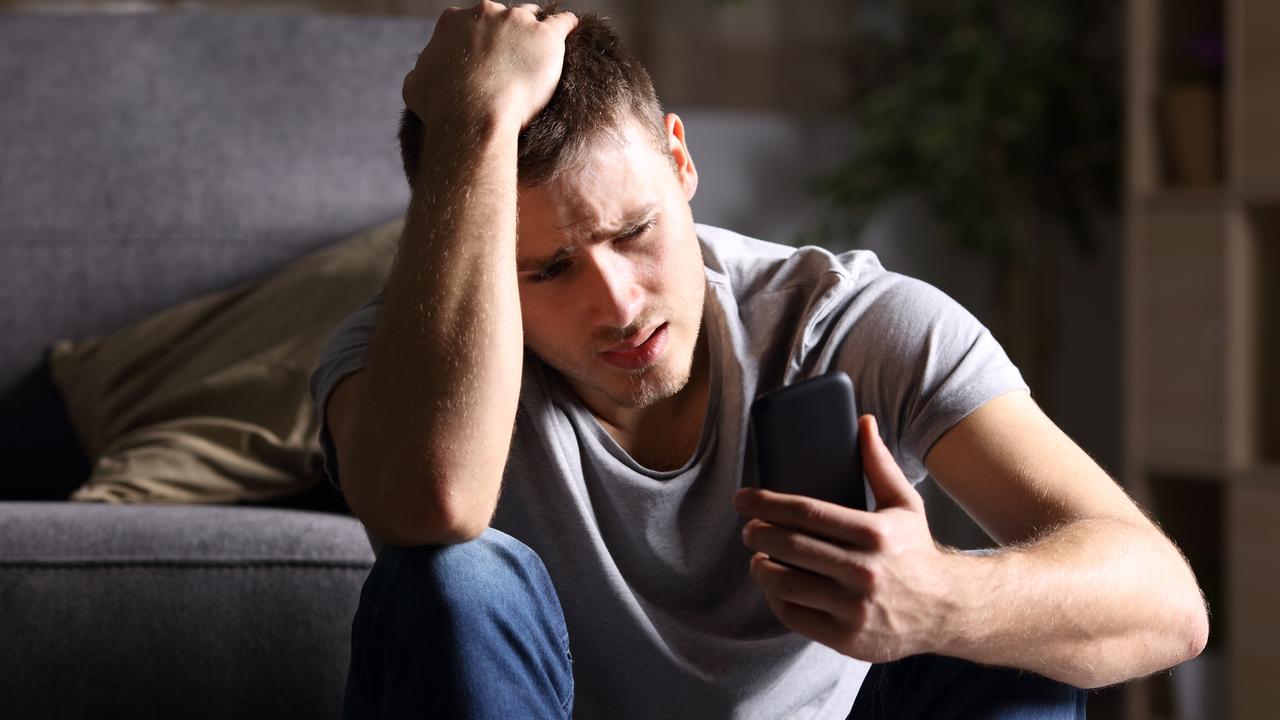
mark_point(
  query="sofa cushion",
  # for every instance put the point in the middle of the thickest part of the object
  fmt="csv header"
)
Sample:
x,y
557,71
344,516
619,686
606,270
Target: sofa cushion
x,y
208,401
175,611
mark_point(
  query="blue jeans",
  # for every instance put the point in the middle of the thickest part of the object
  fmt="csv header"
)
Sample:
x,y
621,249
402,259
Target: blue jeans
x,y
476,631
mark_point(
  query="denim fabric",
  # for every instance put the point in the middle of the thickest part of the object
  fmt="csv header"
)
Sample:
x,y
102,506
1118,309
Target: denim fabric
x,y
933,687
472,631
476,631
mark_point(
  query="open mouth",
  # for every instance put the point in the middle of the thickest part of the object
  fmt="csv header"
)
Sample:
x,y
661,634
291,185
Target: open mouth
x,y
633,357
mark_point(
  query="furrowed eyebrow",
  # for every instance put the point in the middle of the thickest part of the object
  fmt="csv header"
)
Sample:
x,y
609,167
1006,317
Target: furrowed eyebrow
x,y
633,224
536,264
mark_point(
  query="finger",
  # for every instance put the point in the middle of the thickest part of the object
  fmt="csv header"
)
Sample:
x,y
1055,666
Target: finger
x,y
564,21
813,624
801,586
890,487
807,552
842,525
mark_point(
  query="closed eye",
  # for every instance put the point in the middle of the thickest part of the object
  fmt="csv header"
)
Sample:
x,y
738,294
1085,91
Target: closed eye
x,y
550,271
636,231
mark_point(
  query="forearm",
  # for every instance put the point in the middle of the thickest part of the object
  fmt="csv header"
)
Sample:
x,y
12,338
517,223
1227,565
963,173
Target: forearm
x,y
434,420
1092,603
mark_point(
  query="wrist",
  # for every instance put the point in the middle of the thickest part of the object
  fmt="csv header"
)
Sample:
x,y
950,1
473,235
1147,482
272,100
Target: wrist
x,y
964,603
472,122
449,141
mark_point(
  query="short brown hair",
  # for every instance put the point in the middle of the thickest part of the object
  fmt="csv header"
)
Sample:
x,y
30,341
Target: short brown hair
x,y
601,86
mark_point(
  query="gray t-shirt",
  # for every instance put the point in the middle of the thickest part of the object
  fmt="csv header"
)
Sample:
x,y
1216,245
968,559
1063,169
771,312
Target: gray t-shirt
x,y
650,567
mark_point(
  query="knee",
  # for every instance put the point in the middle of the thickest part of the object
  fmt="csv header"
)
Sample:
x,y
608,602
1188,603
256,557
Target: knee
x,y
477,577
936,686
440,624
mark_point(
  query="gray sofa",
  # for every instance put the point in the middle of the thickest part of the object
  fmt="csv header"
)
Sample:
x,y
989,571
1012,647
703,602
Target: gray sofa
x,y
145,159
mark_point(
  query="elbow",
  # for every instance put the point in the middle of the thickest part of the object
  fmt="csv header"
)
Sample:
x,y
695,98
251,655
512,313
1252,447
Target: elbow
x,y
424,528
1196,629
423,511
1189,617
1184,631
448,521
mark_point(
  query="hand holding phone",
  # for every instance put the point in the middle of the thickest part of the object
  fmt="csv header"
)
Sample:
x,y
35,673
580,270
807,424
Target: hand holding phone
x,y
806,439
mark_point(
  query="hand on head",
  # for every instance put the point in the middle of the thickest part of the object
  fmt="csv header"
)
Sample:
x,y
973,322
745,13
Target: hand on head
x,y
489,62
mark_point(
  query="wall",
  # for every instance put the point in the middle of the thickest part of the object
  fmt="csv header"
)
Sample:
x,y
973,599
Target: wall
x,y
745,55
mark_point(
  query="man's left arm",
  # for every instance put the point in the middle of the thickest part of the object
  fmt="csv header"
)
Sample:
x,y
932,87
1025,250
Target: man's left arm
x,y
1085,589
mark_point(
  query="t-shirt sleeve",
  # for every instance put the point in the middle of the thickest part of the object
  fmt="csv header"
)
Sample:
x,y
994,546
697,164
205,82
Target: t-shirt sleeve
x,y
919,361
343,354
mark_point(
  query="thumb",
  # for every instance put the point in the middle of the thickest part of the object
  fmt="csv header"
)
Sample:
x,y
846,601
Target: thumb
x,y
890,487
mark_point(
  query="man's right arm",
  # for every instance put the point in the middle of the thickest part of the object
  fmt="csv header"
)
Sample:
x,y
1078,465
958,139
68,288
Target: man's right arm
x,y
422,434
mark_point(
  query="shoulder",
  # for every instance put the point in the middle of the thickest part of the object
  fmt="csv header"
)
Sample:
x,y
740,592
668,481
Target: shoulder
x,y
813,280
751,267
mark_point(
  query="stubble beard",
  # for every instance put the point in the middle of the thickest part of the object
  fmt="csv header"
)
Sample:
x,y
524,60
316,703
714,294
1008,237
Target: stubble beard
x,y
650,385
640,388
662,380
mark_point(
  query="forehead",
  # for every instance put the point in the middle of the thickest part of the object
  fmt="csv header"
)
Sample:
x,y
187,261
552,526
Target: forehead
x,y
619,174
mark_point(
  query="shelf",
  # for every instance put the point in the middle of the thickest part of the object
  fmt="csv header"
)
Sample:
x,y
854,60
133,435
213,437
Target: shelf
x,y
1265,232
1260,196
1190,93
1263,476
1203,472
1266,477
1182,371
1215,198
1205,199
1196,689
1190,510
1256,156
1202,289
1211,199
1254,535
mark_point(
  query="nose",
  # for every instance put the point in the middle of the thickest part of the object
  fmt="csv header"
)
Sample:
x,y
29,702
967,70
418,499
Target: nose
x,y
616,299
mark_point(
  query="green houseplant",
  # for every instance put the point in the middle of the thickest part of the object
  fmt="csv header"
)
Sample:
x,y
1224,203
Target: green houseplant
x,y
1003,118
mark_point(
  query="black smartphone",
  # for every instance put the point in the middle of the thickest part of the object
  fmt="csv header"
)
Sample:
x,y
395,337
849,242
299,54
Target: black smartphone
x,y
806,439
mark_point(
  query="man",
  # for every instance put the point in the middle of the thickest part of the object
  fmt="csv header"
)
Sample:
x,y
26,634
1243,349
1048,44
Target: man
x,y
541,421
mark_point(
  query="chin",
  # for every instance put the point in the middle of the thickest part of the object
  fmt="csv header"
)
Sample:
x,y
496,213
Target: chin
x,y
660,381
634,390
649,386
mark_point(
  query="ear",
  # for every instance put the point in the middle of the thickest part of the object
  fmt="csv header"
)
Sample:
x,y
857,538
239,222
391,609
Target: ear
x,y
686,173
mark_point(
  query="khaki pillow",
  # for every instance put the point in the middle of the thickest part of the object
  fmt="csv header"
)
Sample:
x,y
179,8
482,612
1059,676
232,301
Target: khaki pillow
x,y
209,401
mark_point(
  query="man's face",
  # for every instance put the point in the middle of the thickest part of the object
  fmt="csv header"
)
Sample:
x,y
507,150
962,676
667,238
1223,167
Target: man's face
x,y
610,270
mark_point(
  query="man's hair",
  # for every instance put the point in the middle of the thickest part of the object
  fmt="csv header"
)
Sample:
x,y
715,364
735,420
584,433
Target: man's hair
x,y
601,87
